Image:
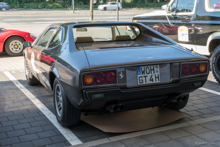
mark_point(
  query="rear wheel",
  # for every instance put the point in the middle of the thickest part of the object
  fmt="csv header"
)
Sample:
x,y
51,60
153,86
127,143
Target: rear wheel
x,y
14,46
29,77
179,104
215,64
104,8
66,113
3,9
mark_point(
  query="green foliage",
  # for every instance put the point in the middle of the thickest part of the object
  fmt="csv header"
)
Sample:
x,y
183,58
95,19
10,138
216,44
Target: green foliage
x,y
79,4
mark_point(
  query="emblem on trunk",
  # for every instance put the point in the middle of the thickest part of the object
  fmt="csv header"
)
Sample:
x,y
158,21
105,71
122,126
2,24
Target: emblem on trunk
x,y
121,75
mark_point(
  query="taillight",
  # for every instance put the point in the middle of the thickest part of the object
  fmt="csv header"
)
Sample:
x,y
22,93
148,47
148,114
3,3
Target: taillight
x,y
99,78
190,69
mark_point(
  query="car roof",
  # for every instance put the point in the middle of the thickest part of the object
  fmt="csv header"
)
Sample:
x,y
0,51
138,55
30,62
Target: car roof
x,y
93,23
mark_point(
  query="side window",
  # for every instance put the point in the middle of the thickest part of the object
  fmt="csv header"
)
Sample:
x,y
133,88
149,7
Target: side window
x,y
214,4
46,37
185,6
56,39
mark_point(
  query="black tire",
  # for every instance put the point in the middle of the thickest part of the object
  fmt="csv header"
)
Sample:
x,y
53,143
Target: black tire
x,y
29,77
17,48
215,63
104,8
69,116
178,105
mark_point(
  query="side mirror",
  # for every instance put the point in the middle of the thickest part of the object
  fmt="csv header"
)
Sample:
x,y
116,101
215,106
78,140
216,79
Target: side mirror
x,y
26,44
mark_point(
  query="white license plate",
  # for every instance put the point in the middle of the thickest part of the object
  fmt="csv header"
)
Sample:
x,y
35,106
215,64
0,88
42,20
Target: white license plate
x,y
148,74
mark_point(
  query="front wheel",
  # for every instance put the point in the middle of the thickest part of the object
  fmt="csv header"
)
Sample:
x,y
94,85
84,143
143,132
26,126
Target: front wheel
x,y
104,8
215,63
179,104
14,46
66,114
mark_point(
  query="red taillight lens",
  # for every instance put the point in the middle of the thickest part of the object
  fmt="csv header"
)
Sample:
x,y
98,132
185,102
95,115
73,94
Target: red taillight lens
x,y
100,78
190,69
110,76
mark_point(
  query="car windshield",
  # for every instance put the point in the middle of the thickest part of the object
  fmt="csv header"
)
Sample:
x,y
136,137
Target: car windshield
x,y
100,37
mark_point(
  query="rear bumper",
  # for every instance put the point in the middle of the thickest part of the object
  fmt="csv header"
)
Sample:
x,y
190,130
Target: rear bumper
x,y
150,95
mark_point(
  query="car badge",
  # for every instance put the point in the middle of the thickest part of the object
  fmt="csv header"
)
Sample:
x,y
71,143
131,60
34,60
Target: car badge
x,y
121,75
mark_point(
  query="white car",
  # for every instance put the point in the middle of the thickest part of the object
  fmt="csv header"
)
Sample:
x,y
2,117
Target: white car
x,y
110,6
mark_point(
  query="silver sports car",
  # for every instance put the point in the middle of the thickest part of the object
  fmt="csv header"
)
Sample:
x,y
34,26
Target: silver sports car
x,y
110,67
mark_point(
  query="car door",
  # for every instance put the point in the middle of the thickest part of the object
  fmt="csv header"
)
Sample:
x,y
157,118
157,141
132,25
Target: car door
x,y
36,52
50,53
113,6
185,23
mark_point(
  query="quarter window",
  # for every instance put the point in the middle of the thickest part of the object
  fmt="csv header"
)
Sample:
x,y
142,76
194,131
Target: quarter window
x,y
56,39
46,37
214,3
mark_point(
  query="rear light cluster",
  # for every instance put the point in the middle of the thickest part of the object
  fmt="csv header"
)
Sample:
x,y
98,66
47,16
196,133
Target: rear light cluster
x,y
190,69
100,78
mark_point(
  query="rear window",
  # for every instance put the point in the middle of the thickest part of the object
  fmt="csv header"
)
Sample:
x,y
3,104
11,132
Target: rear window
x,y
214,3
105,33
103,37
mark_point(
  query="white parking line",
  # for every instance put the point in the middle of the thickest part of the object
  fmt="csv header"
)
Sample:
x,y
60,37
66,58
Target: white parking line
x,y
211,91
73,140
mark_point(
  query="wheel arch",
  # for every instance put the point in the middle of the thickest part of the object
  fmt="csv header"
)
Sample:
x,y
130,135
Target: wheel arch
x,y
53,74
9,38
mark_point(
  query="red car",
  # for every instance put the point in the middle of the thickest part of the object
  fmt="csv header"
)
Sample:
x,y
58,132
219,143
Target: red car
x,y
11,41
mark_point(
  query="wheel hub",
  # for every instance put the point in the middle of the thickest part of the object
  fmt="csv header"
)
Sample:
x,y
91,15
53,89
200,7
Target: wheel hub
x,y
16,46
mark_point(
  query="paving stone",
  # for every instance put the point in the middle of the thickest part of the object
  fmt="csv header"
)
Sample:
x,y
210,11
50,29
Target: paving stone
x,y
48,127
209,136
56,139
9,123
112,144
31,114
16,133
211,125
20,112
21,126
190,140
8,141
42,142
57,145
156,137
34,130
205,111
26,120
28,137
135,142
15,117
24,144
176,133
3,135
195,129
3,119
47,134
6,129
171,143
5,114
38,123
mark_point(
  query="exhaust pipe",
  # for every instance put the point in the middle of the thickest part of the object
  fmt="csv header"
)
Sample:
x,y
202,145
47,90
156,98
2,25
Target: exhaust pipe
x,y
121,107
112,108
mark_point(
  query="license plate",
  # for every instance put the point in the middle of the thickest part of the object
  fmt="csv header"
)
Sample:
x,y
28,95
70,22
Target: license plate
x,y
148,74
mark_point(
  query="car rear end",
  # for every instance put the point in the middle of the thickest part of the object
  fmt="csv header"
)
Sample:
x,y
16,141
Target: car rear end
x,y
143,71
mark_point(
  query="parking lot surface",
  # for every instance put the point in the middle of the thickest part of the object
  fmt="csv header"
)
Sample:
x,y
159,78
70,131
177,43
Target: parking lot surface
x,y
27,118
